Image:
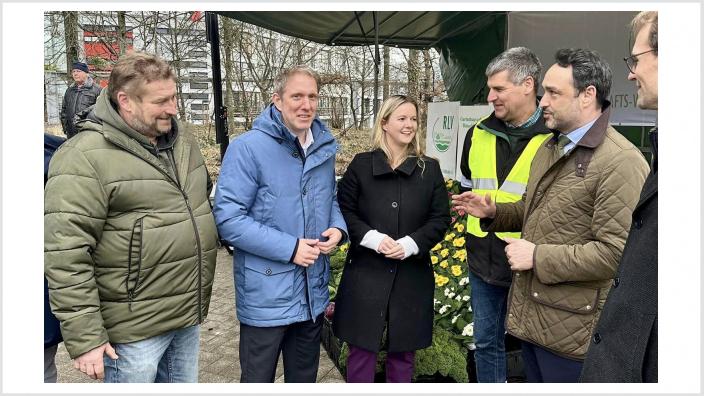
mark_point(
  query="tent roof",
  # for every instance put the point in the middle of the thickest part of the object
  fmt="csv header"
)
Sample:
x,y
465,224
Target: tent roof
x,y
405,29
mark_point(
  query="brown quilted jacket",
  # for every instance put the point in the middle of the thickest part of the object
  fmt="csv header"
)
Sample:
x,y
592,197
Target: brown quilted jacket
x,y
577,210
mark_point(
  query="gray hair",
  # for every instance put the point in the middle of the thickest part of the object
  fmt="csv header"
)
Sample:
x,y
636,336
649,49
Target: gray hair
x,y
588,68
281,80
520,62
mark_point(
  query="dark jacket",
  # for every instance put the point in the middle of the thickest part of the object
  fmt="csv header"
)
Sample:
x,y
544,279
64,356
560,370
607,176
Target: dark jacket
x,y
52,332
409,201
624,346
75,101
485,256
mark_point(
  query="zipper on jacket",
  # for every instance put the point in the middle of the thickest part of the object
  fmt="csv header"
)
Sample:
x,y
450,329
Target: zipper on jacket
x,y
170,154
303,208
130,293
190,214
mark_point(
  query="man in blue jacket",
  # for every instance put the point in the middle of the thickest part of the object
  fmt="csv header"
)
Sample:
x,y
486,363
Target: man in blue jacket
x,y
276,204
52,332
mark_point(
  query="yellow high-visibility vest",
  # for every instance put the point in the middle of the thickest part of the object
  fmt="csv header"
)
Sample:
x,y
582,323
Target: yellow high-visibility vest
x,y
482,164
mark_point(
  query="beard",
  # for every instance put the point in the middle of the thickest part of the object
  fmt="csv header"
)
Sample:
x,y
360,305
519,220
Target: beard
x,y
152,130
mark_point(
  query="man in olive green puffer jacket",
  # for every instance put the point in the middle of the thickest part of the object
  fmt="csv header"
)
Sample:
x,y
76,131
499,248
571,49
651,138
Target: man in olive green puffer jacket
x,y
129,237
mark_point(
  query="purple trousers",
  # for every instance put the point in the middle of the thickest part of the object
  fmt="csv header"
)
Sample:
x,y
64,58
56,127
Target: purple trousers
x,y
361,366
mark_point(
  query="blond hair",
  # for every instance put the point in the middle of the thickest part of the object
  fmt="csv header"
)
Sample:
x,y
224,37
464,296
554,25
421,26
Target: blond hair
x,y
413,149
639,21
283,77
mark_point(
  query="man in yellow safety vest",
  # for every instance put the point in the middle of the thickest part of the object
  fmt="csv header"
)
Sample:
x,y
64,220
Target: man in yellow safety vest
x,y
496,159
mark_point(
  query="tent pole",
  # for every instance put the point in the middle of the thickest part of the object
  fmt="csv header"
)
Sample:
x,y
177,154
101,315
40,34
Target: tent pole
x,y
213,34
376,64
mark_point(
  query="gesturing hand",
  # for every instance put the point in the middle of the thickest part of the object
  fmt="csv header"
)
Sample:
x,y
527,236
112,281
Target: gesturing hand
x,y
474,204
307,252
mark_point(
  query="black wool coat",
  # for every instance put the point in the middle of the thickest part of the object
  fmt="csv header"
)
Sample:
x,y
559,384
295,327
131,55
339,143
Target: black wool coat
x,y
624,345
375,290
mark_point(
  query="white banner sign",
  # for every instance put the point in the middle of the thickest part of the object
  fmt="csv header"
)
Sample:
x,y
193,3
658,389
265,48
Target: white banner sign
x,y
441,138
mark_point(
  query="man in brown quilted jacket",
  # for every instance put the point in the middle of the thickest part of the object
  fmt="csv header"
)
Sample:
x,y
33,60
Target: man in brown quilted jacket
x,y
574,218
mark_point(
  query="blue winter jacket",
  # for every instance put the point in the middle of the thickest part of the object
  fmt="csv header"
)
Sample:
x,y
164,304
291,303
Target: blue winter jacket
x,y
267,198
52,332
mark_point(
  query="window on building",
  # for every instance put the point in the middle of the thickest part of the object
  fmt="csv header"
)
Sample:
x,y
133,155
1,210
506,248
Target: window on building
x,y
198,76
197,96
200,116
199,85
198,106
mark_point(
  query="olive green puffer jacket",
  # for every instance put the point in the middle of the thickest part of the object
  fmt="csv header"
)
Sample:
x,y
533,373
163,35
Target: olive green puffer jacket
x,y
129,237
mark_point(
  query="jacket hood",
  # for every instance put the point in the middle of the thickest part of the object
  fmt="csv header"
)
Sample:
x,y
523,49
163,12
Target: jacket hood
x,y
104,113
271,123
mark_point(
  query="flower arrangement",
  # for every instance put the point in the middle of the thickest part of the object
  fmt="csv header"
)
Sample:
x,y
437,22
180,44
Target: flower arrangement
x,y
449,259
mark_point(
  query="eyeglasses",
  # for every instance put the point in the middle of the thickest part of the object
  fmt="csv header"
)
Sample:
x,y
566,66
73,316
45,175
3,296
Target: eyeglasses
x,y
632,61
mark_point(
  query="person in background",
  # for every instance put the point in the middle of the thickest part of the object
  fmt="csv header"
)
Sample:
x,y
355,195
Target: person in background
x,y
624,346
574,219
78,97
52,330
395,203
275,204
496,159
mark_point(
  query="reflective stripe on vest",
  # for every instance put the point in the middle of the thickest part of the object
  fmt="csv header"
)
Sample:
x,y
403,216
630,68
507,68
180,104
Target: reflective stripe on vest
x,y
482,164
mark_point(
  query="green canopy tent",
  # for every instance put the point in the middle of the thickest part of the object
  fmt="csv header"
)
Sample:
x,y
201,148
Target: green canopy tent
x,y
466,41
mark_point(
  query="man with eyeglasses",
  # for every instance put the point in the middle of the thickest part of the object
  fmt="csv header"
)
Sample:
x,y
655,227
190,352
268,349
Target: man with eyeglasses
x,y
624,345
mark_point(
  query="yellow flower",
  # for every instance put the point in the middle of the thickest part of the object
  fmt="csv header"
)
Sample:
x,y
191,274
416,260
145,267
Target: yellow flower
x,y
456,270
460,254
450,236
459,242
444,253
344,247
434,259
441,280
443,263
459,227
436,247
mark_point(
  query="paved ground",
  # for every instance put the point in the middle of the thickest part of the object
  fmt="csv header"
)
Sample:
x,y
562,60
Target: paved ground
x,y
219,341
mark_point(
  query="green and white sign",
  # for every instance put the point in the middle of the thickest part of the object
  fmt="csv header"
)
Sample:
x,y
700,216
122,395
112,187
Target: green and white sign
x,y
441,138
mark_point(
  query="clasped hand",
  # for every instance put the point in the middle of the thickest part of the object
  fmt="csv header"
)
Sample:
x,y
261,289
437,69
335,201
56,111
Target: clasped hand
x,y
309,249
391,249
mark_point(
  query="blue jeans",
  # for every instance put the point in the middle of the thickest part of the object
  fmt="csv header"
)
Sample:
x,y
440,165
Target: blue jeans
x,y
489,308
167,357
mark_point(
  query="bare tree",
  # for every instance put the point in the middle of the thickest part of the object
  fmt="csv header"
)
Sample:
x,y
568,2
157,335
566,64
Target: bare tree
x,y
413,74
387,59
228,44
184,35
121,32
71,39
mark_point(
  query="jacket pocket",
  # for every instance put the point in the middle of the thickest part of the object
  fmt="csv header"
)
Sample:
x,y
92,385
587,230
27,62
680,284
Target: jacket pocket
x,y
134,259
268,283
568,297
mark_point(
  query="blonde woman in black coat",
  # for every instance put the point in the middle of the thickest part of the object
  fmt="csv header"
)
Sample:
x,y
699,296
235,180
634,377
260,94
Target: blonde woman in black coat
x,y
396,208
